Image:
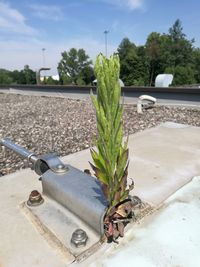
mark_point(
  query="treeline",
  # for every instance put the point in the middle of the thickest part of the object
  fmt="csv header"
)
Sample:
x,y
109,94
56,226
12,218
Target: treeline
x,y
25,76
170,52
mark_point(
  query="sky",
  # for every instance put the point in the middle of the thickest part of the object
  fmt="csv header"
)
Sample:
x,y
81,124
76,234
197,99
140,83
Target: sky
x,y
28,26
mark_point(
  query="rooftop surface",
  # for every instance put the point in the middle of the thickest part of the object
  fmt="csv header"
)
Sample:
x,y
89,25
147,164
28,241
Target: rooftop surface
x,y
162,160
44,125
169,237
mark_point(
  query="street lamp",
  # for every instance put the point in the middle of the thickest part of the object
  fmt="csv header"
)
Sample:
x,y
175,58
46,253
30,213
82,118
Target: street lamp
x,y
43,56
106,32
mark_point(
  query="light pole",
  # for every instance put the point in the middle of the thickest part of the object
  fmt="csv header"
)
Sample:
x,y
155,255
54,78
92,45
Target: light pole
x,y
106,32
43,56
43,59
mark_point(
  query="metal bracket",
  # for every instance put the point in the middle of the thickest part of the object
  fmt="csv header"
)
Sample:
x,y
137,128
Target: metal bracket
x,y
40,164
49,161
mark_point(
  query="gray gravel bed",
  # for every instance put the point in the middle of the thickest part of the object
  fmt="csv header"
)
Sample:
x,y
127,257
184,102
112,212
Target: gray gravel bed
x,y
44,125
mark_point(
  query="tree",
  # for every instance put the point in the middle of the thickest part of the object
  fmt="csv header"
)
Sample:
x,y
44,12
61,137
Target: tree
x,y
25,76
5,77
181,48
132,66
167,51
153,55
75,67
143,66
51,81
196,67
30,75
176,31
17,77
182,75
88,75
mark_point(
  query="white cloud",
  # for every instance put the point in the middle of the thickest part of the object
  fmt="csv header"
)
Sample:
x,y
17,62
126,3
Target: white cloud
x,y
130,4
50,12
135,4
11,20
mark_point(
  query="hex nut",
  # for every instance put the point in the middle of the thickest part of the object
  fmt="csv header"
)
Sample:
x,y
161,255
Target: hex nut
x,y
79,238
35,199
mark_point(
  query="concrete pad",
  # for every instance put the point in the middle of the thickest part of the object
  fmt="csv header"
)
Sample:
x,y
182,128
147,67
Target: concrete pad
x,y
162,159
21,245
169,237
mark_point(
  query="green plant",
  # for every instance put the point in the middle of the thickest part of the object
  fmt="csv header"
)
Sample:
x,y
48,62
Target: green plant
x,y
110,159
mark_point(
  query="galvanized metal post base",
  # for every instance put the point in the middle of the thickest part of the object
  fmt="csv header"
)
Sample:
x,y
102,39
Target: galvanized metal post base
x,y
72,207
59,228
71,212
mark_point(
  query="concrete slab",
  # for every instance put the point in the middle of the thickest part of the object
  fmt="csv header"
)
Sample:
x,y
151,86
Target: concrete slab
x,y
21,245
169,237
162,159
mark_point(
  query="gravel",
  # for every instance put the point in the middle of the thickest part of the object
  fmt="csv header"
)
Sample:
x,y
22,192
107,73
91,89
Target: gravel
x,y
44,125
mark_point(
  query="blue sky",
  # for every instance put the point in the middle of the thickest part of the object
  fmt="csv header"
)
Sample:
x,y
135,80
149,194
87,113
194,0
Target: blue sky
x,y
27,26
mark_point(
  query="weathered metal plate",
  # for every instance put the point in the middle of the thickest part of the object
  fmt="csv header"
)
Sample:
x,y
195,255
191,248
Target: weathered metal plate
x,y
57,224
78,192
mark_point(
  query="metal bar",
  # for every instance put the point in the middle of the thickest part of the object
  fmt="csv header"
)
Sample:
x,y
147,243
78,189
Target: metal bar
x,y
18,149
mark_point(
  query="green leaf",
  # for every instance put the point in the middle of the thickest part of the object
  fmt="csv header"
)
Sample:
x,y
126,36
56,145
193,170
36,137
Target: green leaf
x,y
99,174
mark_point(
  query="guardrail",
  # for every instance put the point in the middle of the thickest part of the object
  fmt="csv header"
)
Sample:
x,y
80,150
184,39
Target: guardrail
x,y
164,93
185,90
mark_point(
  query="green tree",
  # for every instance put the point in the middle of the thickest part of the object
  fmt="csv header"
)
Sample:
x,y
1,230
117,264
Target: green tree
x,y
132,65
25,76
143,67
176,31
167,51
196,67
182,75
5,77
88,75
181,49
17,77
51,81
158,53
73,67
153,55
29,75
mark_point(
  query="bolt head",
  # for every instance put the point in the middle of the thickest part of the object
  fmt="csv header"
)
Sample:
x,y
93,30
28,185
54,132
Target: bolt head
x,y
79,238
60,166
35,199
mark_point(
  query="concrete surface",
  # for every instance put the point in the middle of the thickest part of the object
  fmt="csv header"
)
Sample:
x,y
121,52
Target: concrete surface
x,y
168,238
162,160
21,245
